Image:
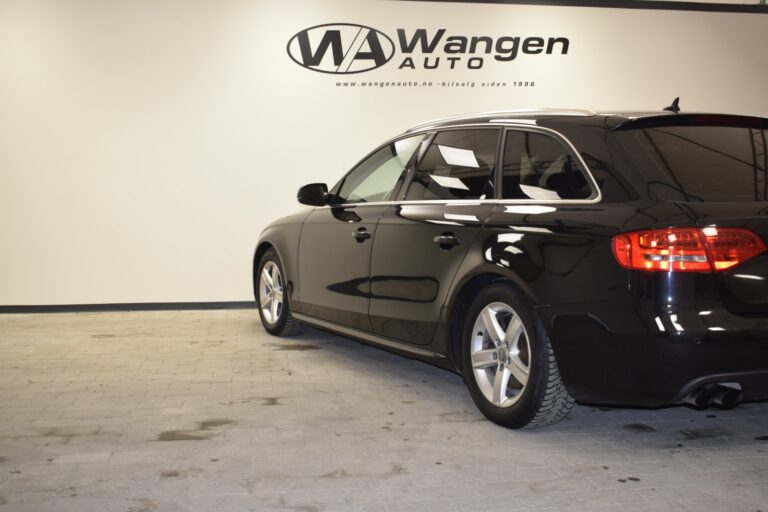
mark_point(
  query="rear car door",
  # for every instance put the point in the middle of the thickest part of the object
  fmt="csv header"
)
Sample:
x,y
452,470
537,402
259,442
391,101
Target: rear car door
x,y
336,240
421,240
549,221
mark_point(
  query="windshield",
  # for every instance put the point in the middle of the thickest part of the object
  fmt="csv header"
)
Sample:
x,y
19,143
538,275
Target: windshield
x,y
700,163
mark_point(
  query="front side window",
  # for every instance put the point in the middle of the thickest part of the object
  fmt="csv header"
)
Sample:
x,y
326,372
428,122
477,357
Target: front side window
x,y
459,164
537,166
376,177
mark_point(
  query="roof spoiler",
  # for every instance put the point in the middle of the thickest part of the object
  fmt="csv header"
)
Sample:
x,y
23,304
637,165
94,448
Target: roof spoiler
x,y
671,119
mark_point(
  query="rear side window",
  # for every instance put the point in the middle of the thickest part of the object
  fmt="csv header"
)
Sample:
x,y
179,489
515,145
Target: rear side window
x,y
701,163
459,164
537,166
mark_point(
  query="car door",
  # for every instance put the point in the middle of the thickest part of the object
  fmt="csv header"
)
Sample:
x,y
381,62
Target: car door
x,y
549,220
336,240
421,240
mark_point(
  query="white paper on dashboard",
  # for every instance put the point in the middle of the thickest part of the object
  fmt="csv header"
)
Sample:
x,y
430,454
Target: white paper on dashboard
x,y
459,157
539,193
449,182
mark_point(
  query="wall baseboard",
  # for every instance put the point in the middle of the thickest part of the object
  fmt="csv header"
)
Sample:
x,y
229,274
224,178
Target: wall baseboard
x,y
132,306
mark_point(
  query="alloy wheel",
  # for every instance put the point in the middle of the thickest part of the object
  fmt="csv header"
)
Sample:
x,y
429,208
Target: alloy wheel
x,y
271,292
500,354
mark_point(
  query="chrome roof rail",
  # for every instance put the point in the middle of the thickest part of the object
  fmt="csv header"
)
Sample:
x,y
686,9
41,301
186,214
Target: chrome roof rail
x,y
496,114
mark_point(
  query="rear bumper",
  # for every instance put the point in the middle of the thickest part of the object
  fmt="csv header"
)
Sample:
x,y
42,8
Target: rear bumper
x,y
615,354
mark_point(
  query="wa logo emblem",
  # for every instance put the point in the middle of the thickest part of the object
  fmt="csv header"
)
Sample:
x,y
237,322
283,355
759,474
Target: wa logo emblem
x,y
341,48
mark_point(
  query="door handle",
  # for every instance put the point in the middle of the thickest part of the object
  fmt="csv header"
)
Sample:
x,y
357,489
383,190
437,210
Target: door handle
x,y
447,241
361,235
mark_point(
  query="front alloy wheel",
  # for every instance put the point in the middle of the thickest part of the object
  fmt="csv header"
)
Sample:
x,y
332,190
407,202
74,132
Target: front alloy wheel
x,y
269,286
271,292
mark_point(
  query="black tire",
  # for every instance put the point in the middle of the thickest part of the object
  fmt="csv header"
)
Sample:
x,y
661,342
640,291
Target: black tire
x,y
543,399
284,324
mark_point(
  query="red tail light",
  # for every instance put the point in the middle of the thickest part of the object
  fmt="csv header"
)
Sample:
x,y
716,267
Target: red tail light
x,y
708,249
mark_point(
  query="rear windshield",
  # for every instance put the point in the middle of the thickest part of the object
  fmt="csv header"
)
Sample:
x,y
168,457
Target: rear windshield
x,y
700,163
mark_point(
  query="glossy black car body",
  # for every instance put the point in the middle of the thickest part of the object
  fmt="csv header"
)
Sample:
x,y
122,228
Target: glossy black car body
x,y
378,273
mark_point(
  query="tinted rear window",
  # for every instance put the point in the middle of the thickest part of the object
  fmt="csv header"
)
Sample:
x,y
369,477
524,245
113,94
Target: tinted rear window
x,y
701,163
537,166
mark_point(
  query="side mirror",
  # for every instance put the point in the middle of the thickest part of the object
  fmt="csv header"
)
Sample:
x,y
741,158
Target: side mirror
x,y
314,194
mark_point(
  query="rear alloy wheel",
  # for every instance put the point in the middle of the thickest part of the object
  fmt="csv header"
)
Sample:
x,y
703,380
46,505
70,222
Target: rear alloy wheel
x,y
270,292
500,354
510,368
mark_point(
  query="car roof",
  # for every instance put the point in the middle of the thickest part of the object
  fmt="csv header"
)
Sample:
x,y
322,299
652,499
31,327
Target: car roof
x,y
612,119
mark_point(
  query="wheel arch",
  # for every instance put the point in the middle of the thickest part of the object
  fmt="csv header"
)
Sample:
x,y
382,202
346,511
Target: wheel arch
x,y
461,298
284,240
261,249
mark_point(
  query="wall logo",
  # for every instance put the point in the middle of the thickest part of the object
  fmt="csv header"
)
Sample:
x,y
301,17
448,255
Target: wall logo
x,y
341,48
345,48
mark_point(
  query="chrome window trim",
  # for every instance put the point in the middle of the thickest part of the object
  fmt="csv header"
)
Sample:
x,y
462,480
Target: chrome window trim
x,y
465,202
497,123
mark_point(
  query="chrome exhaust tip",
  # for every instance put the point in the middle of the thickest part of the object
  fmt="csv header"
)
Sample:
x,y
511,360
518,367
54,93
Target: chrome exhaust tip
x,y
726,397
700,398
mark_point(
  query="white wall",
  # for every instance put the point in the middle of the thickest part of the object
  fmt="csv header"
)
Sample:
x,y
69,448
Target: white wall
x,y
144,145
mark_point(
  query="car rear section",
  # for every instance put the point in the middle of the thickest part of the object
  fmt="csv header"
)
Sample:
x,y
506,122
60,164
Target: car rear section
x,y
690,321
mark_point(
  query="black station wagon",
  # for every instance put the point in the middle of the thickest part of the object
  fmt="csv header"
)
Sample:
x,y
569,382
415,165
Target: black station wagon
x,y
546,256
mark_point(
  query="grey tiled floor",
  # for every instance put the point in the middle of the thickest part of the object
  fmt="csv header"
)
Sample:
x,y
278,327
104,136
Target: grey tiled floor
x,y
202,411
